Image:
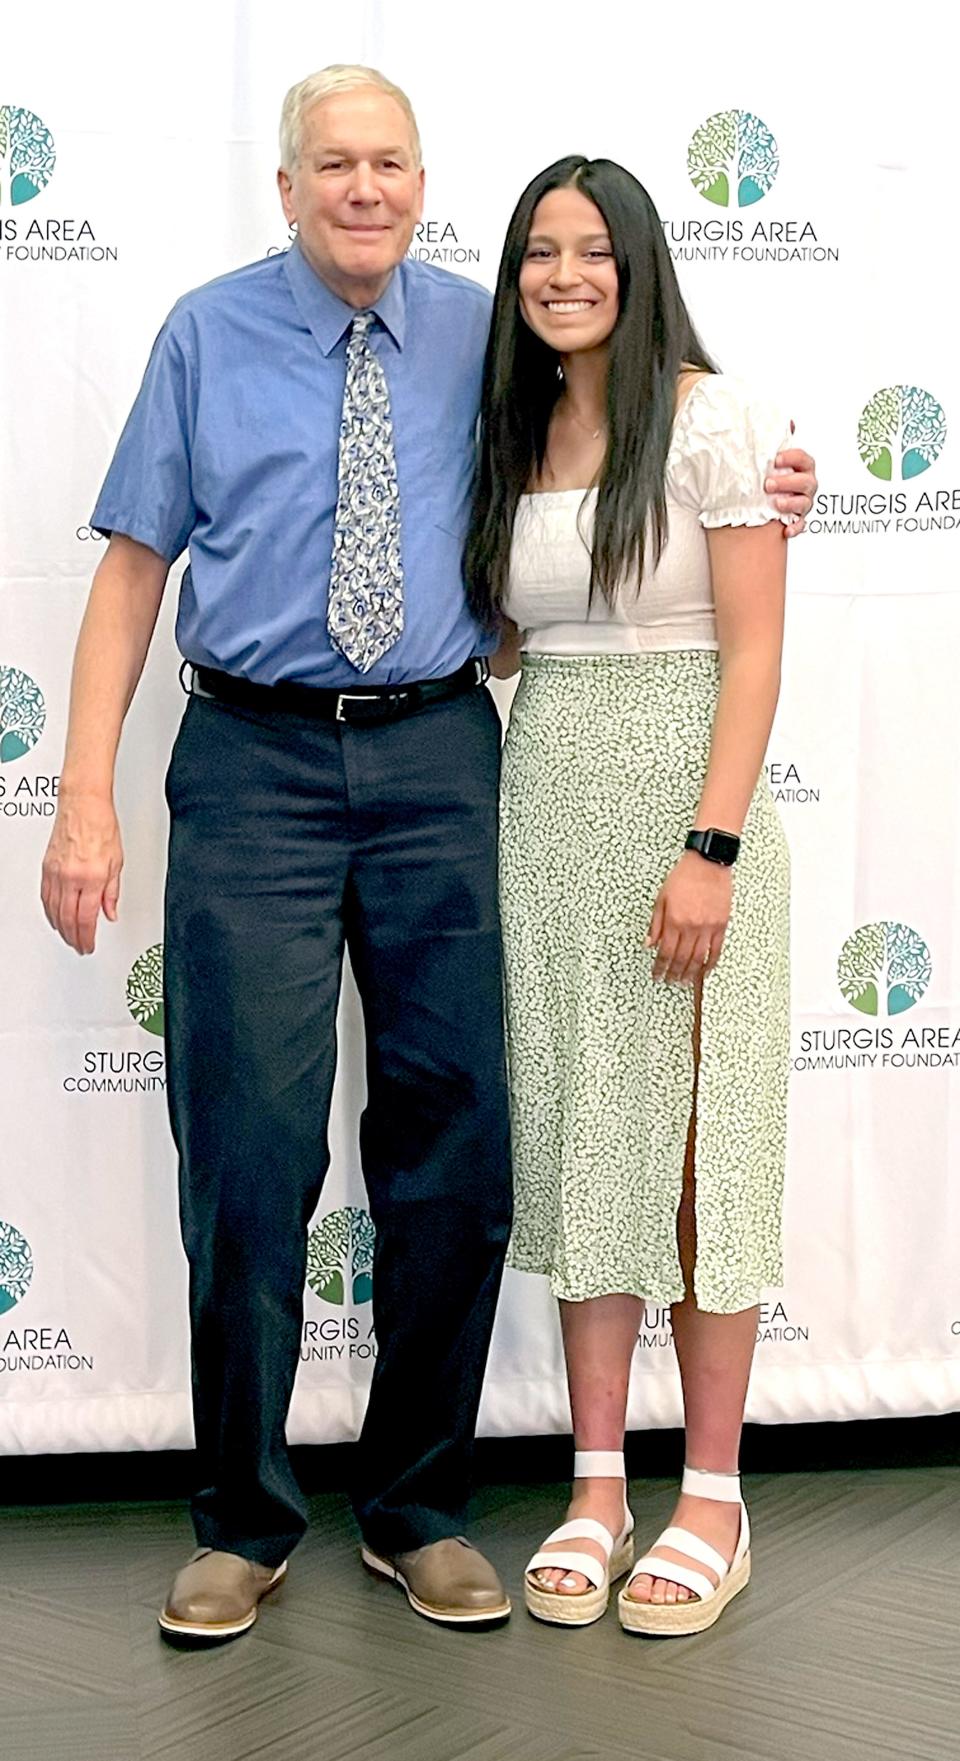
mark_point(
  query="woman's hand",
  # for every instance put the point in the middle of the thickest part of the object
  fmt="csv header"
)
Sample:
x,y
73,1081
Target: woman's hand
x,y
505,660
690,919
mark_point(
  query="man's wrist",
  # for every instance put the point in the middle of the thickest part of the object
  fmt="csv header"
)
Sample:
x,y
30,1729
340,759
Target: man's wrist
x,y
74,787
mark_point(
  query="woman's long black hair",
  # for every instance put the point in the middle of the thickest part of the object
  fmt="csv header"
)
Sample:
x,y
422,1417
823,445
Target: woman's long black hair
x,y
651,340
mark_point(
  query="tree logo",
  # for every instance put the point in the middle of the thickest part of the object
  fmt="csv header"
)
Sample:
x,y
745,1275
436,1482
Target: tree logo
x,y
145,989
884,968
901,433
339,1249
22,713
16,1266
27,155
733,159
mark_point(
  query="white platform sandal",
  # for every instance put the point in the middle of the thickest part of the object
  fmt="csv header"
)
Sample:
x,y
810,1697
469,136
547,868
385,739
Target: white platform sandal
x,y
668,1619
582,1608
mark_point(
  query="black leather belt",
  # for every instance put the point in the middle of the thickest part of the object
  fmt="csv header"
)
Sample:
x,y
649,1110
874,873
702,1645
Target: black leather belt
x,y
361,708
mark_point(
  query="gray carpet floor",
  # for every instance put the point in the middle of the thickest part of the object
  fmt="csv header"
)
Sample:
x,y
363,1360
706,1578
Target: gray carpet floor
x,y
845,1647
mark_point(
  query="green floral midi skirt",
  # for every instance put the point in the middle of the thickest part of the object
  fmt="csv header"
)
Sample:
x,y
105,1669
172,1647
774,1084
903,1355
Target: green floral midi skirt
x,y
604,763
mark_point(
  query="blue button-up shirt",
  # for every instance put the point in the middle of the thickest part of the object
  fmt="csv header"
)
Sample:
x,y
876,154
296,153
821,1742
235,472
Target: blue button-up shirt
x,y
230,450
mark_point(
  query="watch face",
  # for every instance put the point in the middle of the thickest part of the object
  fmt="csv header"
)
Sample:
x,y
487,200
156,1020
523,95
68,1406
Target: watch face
x,y
716,846
722,847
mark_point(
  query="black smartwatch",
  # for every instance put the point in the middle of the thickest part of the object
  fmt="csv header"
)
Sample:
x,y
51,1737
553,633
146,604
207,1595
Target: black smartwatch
x,y
716,846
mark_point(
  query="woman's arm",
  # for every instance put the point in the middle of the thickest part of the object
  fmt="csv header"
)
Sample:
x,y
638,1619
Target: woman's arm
x,y
505,660
748,568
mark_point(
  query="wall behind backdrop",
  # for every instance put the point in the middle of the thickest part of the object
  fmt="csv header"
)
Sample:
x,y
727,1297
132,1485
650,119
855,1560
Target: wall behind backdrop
x,y
801,175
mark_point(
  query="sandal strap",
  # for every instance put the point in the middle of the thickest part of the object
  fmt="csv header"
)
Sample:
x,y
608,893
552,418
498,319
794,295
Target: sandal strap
x,y
600,1464
651,1565
587,1529
722,1488
584,1563
685,1541
603,1464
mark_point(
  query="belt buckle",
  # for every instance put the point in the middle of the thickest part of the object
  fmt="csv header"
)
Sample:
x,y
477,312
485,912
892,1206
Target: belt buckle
x,y
355,697
194,687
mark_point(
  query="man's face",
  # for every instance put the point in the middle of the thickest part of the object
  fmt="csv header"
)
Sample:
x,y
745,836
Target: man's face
x,y
356,193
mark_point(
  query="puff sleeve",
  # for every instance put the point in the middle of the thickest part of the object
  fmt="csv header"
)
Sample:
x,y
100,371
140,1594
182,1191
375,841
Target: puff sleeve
x,y
725,441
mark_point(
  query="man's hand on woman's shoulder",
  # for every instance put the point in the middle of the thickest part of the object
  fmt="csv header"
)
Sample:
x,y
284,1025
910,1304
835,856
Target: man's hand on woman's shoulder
x,y
793,484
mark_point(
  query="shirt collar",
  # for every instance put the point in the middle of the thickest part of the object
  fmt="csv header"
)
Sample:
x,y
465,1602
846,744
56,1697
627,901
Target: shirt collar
x,y
327,316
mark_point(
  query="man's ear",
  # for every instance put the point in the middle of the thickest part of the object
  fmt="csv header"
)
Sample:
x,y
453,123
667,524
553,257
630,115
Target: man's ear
x,y
286,195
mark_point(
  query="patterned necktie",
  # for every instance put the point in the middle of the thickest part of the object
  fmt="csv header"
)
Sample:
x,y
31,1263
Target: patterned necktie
x,y
365,604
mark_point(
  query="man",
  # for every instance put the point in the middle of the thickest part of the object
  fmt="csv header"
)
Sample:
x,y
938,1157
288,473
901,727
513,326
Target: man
x,y
305,427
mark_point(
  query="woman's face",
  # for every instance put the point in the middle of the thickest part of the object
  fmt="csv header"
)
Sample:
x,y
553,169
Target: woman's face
x,y
569,293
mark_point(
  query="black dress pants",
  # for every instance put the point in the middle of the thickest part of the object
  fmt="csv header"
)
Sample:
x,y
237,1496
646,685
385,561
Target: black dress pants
x,y
291,838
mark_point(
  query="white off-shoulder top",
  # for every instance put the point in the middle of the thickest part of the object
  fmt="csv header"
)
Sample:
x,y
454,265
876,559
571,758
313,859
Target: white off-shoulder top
x,y
724,441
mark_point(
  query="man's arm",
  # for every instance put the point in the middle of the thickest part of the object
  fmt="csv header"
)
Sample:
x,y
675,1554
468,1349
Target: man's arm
x,y
81,868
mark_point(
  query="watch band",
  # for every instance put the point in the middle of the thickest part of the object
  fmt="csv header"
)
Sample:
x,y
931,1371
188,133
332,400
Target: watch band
x,y
715,846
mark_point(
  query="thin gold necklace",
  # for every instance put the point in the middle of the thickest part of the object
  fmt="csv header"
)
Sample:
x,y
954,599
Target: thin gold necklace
x,y
594,433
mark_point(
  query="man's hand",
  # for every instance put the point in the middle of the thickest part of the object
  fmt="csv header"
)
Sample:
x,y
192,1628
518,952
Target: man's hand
x,y
81,869
793,484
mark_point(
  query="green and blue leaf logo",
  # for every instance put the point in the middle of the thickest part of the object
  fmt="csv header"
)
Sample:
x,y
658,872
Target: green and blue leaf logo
x,y
22,713
884,968
16,1266
340,1256
902,432
27,155
145,989
733,159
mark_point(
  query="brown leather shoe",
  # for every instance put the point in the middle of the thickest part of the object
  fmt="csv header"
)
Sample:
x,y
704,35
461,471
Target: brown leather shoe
x,y
448,1581
216,1595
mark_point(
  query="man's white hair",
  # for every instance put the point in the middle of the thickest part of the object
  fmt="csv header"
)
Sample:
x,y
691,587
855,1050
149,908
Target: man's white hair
x,y
342,77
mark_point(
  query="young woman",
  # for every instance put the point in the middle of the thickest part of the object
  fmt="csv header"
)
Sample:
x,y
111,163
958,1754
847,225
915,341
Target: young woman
x,y
623,539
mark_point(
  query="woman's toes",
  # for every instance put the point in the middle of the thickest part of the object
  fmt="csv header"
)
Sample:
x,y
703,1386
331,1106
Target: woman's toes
x,y
683,1594
640,1588
671,1595
568,1583
658,1593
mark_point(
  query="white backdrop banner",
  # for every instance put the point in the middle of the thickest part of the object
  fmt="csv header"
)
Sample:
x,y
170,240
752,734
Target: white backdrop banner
x,y
809,216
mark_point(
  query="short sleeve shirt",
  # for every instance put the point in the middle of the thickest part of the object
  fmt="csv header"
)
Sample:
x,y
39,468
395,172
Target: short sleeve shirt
x,y
231,448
